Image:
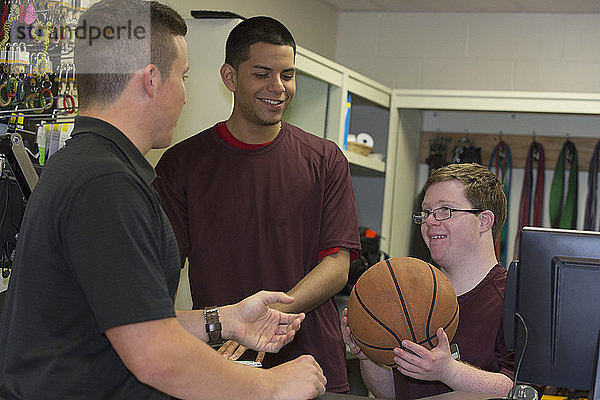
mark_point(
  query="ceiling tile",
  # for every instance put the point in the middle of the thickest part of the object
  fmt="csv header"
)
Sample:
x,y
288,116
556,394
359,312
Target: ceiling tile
x,y
479,6
353,5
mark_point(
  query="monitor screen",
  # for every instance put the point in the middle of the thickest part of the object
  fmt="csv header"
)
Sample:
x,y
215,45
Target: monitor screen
x,y
555,287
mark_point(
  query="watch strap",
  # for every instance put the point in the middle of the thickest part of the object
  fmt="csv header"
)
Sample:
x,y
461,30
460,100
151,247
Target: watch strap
x,y
213,325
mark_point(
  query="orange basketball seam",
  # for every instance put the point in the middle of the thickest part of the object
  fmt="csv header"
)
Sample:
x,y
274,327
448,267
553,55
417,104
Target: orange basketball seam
x,y
433,297
371,345
453,317
375,348
406,314
443,327
374,317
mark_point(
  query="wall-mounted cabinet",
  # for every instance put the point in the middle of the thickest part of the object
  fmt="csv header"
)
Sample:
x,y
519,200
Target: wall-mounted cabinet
x,y
545,109
368,173
318,101
320,107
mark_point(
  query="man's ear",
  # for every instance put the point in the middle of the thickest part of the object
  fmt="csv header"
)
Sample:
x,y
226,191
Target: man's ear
x,y
150,79
229,77
487,219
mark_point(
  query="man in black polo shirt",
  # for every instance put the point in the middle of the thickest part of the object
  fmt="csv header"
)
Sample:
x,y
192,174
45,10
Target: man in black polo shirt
x,y
89,312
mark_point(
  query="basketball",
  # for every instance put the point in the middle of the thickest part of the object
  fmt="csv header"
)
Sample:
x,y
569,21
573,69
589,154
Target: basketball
x,y
397,299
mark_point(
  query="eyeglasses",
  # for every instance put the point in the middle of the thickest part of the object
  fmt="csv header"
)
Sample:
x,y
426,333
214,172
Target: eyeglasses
x,y
440,214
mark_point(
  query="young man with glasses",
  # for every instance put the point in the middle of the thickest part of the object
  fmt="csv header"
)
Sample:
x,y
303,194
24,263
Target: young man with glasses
x,y
463,212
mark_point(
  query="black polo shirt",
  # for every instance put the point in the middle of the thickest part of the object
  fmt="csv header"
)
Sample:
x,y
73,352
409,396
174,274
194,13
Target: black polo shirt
x,y
96,251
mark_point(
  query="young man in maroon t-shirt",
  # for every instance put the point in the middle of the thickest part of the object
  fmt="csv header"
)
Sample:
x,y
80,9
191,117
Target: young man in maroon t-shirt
x,y
257,203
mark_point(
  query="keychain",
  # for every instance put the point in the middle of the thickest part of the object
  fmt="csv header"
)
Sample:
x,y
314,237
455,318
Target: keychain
x,y
70,101
4,96
4,54
12,17
33,94
5,10
71,88
41,33
63,87
30,14
46,97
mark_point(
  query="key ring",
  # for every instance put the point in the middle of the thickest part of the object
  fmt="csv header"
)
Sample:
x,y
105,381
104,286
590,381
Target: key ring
x,y
42,99
20,95
11,91
70,109
61,80
30,100
3,102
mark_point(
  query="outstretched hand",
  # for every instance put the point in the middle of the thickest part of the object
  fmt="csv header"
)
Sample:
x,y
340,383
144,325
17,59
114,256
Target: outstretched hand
x,y
421,363
232,350
261,328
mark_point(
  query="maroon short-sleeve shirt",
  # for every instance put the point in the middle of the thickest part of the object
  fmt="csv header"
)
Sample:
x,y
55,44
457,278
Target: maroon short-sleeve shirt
x,y
252,219
480,336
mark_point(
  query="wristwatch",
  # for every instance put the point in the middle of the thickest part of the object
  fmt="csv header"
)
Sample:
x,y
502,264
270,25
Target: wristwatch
x,y
213,325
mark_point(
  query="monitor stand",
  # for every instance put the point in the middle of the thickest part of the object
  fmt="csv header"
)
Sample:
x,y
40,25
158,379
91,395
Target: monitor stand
x,y
595,384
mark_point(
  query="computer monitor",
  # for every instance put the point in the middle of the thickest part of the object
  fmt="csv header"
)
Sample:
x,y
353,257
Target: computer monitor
x,y
555,287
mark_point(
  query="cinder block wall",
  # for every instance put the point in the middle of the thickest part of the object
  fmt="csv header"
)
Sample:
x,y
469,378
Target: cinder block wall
x,y
528,52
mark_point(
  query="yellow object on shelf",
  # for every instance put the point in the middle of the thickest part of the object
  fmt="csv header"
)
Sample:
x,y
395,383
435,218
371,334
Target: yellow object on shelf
x,y
359,148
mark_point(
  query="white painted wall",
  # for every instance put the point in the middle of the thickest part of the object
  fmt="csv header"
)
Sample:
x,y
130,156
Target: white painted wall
x,y
312,23
527,52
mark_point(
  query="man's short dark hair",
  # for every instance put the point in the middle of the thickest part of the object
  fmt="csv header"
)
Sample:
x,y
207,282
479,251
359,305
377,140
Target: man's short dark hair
x,y
255,30
115,38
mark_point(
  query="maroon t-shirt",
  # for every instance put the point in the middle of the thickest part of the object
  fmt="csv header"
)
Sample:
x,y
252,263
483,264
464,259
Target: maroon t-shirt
x,y
480,336
252,219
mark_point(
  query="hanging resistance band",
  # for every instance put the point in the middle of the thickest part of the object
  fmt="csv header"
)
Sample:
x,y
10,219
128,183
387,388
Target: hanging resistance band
x,y
564,215
535,154
589,221
501,160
